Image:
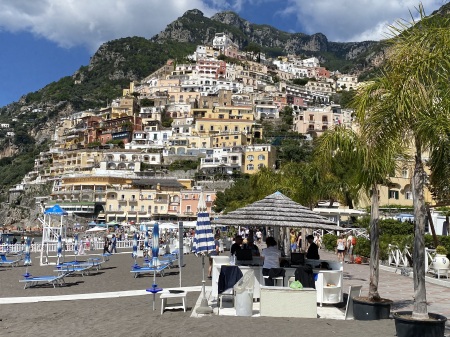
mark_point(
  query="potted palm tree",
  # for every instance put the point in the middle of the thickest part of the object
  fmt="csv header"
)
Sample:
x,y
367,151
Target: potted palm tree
x,y
409,104
375,157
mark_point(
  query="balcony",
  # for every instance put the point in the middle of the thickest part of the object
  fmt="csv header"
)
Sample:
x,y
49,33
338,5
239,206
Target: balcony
x,y
161,201
122,200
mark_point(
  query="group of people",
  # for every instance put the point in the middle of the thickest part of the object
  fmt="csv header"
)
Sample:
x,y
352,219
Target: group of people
x,y
344,246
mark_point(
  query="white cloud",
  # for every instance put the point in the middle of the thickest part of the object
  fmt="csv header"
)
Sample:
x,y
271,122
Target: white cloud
x,y
92,22
352,20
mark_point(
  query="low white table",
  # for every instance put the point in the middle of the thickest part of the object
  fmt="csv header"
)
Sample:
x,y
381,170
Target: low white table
x,y
164,305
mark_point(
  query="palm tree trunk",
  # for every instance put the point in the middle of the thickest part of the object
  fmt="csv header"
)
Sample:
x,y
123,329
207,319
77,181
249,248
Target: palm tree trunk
x,y
374,262
420,295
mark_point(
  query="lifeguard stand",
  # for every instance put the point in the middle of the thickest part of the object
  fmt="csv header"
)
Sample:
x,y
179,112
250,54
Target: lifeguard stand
x,y
54,226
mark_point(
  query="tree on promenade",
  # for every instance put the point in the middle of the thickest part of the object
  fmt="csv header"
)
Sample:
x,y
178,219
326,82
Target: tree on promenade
x,y
409,103
374,158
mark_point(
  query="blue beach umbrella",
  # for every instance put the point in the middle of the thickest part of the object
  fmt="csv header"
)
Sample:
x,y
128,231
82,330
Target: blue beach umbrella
x,y
27,259
59,249
155,245
75,246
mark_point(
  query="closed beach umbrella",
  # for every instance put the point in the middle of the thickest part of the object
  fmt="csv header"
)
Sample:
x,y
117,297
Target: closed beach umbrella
x,y
204,237
146,244
203,243
27,260
155,244
135,243
59,249
75,246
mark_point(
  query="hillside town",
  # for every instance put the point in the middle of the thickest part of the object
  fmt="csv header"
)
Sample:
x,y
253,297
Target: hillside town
x,y
110,164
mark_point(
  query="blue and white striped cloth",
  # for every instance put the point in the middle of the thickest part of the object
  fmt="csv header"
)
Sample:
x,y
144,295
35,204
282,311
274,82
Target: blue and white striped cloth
x,y
134,254
27,259
59,249
155,245
204,237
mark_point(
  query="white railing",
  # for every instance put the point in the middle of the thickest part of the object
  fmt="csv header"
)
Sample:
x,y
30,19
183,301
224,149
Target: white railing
x,y
400,258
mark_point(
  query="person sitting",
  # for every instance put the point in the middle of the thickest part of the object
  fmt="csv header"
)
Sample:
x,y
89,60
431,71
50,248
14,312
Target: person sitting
x,y
313,250
271,256
251,245
236,245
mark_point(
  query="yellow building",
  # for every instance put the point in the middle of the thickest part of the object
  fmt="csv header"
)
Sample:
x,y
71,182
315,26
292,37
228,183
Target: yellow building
x,y
257,157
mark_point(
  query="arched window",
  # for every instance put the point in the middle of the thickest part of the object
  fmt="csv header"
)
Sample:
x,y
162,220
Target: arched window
x,y
250,167
261,157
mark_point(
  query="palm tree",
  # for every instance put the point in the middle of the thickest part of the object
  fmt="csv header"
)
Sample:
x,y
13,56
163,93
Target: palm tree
x,y
374,159
409,104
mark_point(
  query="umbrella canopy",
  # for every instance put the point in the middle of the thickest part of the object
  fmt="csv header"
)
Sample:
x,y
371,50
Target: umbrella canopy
x,y
155,244
204,237
276,210
96,229
55,210
27,259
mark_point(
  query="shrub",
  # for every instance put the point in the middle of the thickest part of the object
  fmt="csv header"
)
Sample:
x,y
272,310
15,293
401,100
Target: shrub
x,y
441,250
362,247
329,241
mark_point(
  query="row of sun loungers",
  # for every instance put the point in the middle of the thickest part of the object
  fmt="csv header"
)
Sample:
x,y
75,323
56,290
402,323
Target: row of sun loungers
x,y
64,269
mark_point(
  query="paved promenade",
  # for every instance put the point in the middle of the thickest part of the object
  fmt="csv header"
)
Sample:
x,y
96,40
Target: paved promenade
x,y
396,287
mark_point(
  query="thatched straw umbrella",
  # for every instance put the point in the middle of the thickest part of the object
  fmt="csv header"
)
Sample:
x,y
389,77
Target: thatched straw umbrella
x,y
276,210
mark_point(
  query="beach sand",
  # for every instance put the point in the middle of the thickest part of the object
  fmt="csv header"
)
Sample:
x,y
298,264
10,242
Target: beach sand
x,y
133,316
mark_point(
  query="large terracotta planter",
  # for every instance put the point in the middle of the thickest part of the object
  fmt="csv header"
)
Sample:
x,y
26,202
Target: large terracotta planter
x,y
364,310
408,327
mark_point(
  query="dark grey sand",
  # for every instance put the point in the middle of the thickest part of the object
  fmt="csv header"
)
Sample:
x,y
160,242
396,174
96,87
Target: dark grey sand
x,y
133,316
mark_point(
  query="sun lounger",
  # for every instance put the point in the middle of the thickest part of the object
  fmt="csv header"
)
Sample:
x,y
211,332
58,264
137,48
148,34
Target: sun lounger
x,y
70,269
51,279
11,263
137,271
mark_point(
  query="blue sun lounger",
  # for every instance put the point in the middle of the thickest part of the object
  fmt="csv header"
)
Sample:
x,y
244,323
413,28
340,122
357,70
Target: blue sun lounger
x,y
11,263
51,279
138,270
74,268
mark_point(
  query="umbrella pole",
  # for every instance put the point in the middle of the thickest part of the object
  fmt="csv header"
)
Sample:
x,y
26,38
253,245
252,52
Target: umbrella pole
x,y
204,308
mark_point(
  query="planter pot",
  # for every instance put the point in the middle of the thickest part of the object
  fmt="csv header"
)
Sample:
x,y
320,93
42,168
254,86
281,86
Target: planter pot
x,y
440,261
407,327
364,310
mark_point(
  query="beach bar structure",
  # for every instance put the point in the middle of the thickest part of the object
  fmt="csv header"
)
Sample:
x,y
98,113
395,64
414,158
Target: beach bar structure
x,y
54,227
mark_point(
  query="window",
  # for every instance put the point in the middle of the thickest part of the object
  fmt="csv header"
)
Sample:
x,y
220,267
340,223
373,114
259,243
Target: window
x,y
260,166
261,157
250,157
211,128
250,167
405,172
132,208
188,209
393,194
110,207
156,209
142,208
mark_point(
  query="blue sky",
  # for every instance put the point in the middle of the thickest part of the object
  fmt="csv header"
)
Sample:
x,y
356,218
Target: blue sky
x,y
44,40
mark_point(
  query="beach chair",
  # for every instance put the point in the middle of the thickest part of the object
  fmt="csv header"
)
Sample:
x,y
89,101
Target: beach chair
x,y
11,263
138,270
51,279
73,268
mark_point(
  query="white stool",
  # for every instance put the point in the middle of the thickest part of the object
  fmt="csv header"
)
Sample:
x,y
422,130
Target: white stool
x,y
165,296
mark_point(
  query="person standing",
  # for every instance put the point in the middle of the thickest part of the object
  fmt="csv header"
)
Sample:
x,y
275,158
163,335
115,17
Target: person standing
x,y
113,244
106,245
215,252
340,247
313,250
351,240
